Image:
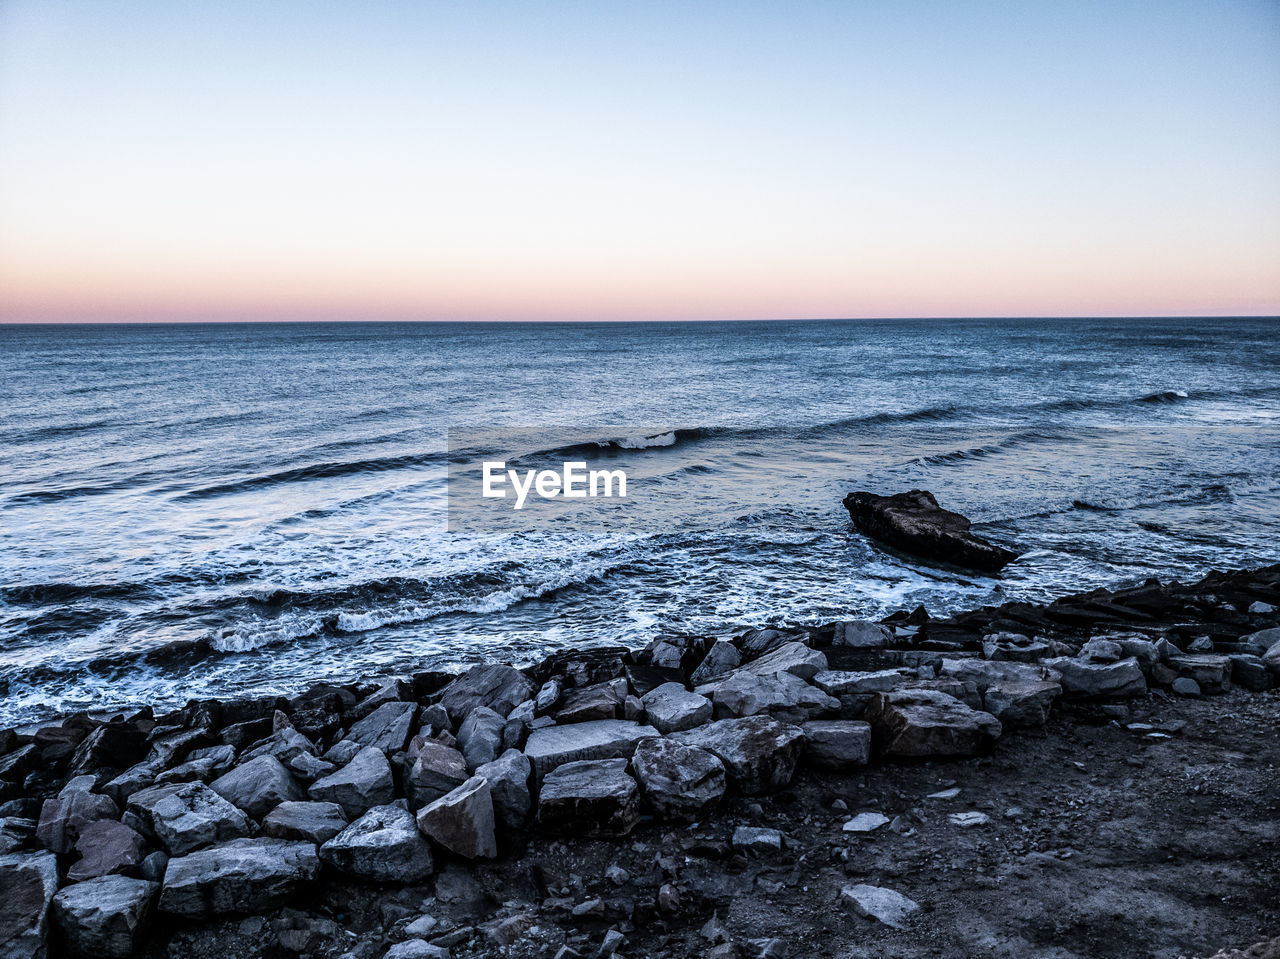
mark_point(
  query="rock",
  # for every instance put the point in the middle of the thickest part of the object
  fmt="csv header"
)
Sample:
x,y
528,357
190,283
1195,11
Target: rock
x,y
1101,650
416,949
342,752
1095,680
316,822
860,634
966,820
1271,659
1249,672
783,696
874,902
1258,643
984,673
794,658
1259,608
848,684
62,818
1211,672
757,840
294,751
28,882
865,822
153,866
462,821
110,746
679,782
508,778
922,722
104,918
244,875
671,708
552,746
193,815
258,786
433,770
500,688
593,797
105,847
201,766
387,727
756,642
16,832
548,695
358,786
723,657
837,743
383,845
1019,704
1014,647
1184,686
759,754
133,779
914,523
597,701
480,736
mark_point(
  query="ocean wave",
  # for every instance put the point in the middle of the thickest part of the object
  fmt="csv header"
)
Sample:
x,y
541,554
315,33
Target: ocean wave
x,y
315,471
1165,396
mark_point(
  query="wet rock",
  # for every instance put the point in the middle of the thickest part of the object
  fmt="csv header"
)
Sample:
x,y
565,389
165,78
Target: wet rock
x,y
759,754
679,782
500,688
553,746
1258,643
723,657
874,902
480,736
433,770
1099,680
1021,704
757,840
597,701
756,642
104,918
383,845
294,751
845,685
28,882
316,822
62,818
922,722
794,658
837,743
783,696
593,797
244,875
258,786
671,708
342,752
358,786
105,847
192,815
1212,673
386,728
462,821
914,523
202,765
860,634
548,695
508,778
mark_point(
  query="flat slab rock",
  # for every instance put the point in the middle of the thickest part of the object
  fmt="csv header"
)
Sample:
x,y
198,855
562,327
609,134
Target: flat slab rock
x,y
244,875
594,797
104,917
925,722
875,902
759,753
914,523
552,746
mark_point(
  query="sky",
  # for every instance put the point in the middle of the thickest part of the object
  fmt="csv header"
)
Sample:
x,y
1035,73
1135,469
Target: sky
x,y
599,160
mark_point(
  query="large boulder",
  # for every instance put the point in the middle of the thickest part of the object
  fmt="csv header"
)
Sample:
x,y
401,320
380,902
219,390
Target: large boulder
x,y
837,743
983,673
670,708
1211,672
875,902
316,822
462,821
1021,704
193,815
383,845
679,782
508,779
860,634
387,727
258,786
431,770
593,797
480,736
760,754
104,918
116,745
597,701
63,817
914,523
244,875
1082,678
28,882
106,846
294,751
552,746
925,722
358,786
723,657
501,688
794,658
782,695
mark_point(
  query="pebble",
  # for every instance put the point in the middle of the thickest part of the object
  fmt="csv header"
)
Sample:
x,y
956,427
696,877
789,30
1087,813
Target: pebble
x,y
866,822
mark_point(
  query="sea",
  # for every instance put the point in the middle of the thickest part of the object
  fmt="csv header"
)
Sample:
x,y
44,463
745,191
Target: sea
x,y
241,509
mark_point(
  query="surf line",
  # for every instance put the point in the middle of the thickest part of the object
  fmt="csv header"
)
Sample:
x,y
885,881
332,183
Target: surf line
x,y
572,481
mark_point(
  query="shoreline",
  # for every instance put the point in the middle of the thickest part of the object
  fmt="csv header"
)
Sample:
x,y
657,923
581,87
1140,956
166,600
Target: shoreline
x,y
436,778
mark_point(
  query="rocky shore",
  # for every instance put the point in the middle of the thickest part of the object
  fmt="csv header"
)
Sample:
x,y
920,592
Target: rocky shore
x,y
1096,776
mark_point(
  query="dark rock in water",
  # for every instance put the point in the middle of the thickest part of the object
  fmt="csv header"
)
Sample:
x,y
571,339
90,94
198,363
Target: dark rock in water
x,y
104,918
914,523
244,875
592,797
106,847
27,884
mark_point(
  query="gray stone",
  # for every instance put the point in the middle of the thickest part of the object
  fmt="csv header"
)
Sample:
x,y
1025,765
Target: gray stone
x,y
757,840
593,797
480,736
1099,680
598,701
104,918
137,813
193,815
16,832
837,743
201,766
671,708
1185,686
383,845
501,688
358,786
759,754
342,752
861,634
985,673
1258,643
316,822
783,696
842,684
244,875
387,727
462,821
794,658
433,769
865,822
28,882
105,847
1211,672
508,778
1014,647
1259,608
62,818
548,695
925,722
258,786
1249,672
552,746
1271,659
679,781
723,657
296,753
1021,704
875,902
416,949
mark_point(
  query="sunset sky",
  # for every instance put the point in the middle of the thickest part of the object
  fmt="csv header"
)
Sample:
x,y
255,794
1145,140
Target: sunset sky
x,y
652,160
